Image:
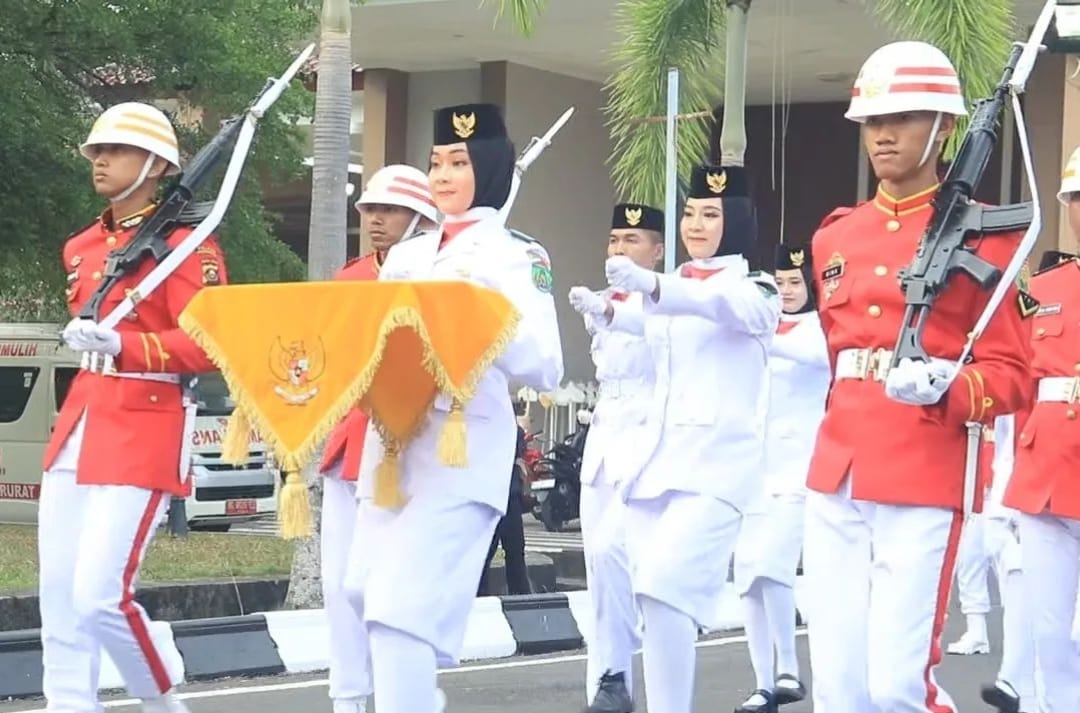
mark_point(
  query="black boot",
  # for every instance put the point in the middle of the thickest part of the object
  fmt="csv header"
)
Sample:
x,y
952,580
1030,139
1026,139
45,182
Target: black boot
x,y
612,697
1002,696
792,693
760,701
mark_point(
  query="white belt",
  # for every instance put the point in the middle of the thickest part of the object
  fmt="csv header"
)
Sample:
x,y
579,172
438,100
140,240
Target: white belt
x,y
1062,389
623,388
863,364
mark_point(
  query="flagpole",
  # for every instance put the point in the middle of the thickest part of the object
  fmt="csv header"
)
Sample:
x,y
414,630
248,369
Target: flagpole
x,y
671,189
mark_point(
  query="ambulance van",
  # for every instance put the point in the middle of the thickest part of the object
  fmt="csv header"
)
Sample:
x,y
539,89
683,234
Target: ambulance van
x,y
36,370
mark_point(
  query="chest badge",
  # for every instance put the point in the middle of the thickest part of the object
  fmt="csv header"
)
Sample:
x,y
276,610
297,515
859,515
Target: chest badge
x,y
76,260
831,274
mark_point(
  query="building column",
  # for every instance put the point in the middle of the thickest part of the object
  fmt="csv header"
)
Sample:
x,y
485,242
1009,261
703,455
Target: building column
x,y
385,102
1052,111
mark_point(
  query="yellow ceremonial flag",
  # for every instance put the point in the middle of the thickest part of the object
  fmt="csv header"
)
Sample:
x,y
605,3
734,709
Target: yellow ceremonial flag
x,y
298,356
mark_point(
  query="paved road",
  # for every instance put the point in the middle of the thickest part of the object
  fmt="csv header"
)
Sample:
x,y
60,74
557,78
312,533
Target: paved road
x,y
548,685
537,539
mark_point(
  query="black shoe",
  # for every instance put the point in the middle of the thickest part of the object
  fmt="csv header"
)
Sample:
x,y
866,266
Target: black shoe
x,y
788,694
769,705
612,697
1002,696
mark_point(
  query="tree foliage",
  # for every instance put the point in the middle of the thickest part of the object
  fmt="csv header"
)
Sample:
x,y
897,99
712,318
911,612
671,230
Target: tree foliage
x,y
61,61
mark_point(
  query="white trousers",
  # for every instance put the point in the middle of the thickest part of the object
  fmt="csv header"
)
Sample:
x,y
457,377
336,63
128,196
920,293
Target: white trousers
x,y
973,567
615,635
1017,641
877,580
1051,553
412,576
91,543
350,665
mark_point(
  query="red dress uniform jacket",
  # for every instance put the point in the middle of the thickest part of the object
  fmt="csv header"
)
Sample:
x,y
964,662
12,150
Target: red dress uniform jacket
x,y
1046,476
897,453
346,442
134,427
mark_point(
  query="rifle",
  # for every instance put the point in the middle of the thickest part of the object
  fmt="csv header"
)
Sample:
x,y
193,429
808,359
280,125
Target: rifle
x,y
956,218
178,208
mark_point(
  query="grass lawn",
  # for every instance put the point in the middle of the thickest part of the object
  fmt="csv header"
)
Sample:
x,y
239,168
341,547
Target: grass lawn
x,y
203,555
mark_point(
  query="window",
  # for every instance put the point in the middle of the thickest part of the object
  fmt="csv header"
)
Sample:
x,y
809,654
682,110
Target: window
x,y
16,385
62,378
213,395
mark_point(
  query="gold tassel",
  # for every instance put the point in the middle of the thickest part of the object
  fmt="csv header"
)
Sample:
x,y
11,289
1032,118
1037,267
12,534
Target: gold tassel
x,y
294,509
452,450
388,478
234,446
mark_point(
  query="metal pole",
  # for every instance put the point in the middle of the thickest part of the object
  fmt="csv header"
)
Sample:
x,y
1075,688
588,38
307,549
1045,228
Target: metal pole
x,y
671,190
177,520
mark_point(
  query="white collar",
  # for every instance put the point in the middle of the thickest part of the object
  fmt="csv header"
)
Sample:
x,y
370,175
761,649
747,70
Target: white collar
x,y
471,215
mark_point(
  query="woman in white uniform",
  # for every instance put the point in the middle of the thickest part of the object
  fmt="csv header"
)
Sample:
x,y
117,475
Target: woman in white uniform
x,y
415,573
709,325
770,541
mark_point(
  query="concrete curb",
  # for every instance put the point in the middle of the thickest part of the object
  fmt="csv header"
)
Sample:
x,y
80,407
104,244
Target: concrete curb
x,y
298,641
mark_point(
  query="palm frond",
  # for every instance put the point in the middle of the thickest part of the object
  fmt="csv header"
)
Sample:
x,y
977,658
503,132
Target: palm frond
x,y
656,35
975,34
524,12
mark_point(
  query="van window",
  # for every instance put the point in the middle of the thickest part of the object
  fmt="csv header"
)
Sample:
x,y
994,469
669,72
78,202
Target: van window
x,y
62,378
16,385
213,395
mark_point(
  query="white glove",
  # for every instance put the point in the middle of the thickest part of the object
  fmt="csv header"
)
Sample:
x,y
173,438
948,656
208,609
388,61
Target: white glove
x,y
623,274
85,335
918,383
586,302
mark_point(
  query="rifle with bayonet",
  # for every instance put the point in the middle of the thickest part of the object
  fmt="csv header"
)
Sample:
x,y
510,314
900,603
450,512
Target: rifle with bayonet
x,y
956,219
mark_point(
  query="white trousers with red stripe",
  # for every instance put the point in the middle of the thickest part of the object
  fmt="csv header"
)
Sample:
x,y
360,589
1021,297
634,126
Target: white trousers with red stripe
x,y
877,582
350,664
1051,552
91,542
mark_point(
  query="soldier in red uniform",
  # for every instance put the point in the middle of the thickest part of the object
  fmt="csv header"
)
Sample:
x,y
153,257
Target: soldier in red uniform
x,y
395,202
118,451
1045,486
884,512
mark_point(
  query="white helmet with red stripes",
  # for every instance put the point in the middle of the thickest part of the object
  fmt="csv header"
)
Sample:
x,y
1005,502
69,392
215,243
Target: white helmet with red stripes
x,y
906,76
1070,178
401,185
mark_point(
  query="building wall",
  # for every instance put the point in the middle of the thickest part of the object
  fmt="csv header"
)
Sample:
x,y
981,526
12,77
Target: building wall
x,y
429,91
566,196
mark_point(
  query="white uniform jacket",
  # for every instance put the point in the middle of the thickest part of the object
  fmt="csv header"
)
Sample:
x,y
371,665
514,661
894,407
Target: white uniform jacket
x,y
799,382
517,266
617,442
709,339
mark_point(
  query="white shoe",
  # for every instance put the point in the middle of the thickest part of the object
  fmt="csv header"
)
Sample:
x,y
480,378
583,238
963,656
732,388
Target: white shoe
x,y
968,645
440,701
350,705
164,704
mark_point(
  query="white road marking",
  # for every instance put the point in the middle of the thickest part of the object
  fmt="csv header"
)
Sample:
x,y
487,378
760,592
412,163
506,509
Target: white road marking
x,y
322,682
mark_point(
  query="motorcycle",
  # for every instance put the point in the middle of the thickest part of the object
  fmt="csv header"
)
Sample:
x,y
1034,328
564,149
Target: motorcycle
x,y
526,469
557,487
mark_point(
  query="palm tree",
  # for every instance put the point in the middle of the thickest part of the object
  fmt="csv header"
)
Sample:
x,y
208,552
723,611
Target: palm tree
x,y
658,34
326,236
